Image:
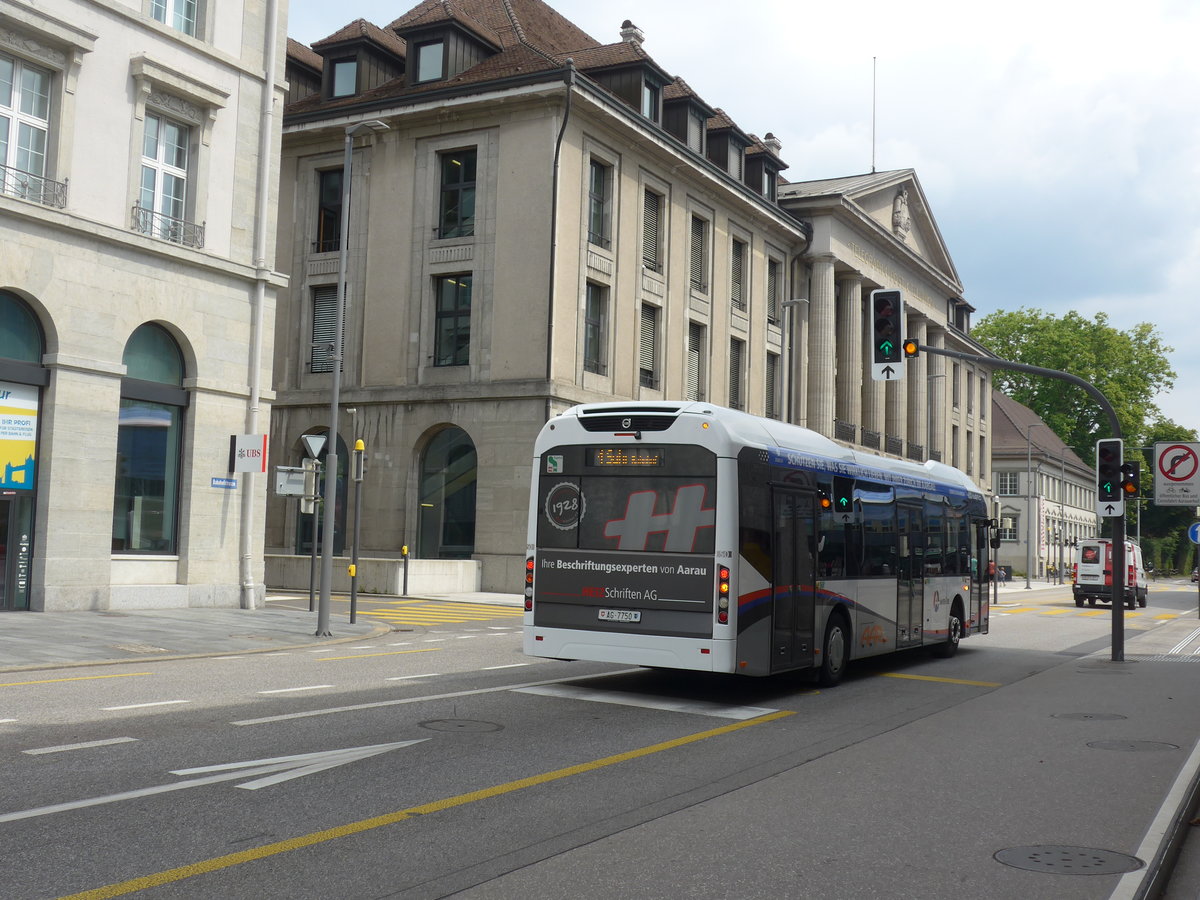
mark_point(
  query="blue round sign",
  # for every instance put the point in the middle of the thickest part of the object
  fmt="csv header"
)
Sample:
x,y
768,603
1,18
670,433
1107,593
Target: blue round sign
x,y
1194,533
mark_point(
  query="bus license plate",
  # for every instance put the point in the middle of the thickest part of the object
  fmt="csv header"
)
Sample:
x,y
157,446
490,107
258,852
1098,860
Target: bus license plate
x,y
620,615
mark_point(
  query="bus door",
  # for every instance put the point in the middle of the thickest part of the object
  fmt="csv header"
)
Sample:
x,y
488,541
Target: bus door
x,y
910,588
793,588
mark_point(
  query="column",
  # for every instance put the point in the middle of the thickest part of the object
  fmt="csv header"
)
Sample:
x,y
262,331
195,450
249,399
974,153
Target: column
x,y
799,363
917,375
874,398
850,373
936,449
822,334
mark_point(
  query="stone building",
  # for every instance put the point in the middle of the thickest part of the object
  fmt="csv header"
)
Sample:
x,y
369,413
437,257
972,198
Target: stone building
x,y
138,194
537,219
1045,494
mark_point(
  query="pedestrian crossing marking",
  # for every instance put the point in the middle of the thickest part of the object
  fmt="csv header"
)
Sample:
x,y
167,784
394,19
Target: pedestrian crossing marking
x,y
416,612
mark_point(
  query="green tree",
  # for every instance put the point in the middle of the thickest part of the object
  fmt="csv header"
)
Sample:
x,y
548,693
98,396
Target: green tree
x,y
1128,367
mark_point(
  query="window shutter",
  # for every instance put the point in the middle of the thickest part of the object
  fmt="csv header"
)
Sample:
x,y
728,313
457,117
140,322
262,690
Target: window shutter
x,y
646,343
651,216
772,290
695,349
737,275
772,368
735,374
698,280
324,325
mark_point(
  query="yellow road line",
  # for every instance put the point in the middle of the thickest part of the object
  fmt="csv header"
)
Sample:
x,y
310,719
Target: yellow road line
x,y
943,680
1052,612
1167,616
318,837
1017,609
1096,612
388,653
80,678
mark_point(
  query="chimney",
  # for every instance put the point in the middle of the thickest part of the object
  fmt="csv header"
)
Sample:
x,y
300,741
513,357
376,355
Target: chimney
x,y
631,33
772,143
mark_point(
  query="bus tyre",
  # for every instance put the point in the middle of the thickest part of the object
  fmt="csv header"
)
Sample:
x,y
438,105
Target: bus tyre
x,y
835,651
949,647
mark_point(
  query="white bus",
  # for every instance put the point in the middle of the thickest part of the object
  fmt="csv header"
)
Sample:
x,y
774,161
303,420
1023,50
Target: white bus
x,y
688,536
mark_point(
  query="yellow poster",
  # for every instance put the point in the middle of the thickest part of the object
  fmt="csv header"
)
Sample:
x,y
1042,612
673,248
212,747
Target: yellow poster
x,y
18,435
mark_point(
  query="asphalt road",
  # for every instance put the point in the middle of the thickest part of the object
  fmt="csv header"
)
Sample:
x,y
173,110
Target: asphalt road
x,y
440,761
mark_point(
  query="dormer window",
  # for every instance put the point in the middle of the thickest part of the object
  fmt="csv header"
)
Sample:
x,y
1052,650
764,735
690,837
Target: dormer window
x,y
431,61
696,130
345,77
650,100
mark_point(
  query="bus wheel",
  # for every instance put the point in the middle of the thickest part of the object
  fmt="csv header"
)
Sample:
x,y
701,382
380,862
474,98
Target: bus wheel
x,y
835,651
949,647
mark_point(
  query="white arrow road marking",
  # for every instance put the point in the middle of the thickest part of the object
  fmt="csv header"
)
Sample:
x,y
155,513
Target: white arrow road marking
x,y
280,768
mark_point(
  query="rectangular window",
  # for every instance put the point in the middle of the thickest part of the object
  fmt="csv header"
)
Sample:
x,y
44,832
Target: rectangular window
x,y
650,95
774,291
147,483
970,393
179,14
698,271
324,325
695,362
430,61
599,204
737,374
457,210
163,196
452,327
24,121
697,128
345,77
595,330
652,234
1006,484
737,160
955,390
738,287
329,211
648,347
983,404
771,404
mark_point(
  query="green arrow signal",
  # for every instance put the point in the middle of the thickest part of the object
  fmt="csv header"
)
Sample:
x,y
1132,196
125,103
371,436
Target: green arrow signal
x,y
1107,487
843,501
886,348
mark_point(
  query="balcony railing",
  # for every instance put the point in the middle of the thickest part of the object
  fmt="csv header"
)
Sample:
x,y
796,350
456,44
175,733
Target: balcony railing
x,y
168,228
870,438
27,186
844,431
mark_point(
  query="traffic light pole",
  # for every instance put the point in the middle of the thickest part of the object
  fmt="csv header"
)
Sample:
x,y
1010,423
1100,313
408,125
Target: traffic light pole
x,y
1118,525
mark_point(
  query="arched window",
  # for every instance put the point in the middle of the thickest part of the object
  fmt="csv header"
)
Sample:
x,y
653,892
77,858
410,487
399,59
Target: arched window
x,y
21,381
149,444
446,526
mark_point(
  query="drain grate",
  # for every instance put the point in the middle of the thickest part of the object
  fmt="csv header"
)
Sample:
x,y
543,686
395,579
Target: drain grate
x,y
1089,717
1132,746
460,726
1058,860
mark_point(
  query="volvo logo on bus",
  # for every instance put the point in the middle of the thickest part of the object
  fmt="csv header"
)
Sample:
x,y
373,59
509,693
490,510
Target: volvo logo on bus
x,y
626,422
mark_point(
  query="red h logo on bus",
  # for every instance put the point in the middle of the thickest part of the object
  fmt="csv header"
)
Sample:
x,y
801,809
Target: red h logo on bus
x,y
687,516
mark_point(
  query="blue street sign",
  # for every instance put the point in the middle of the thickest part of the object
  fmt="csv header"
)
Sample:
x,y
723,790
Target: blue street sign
x,y
1194,533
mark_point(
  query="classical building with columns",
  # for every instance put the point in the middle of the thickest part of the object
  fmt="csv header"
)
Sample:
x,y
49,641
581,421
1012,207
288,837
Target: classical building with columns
x,y
538,219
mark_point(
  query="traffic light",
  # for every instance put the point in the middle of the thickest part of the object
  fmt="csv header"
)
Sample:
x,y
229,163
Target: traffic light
x,y
888,335
843,493
1109,455
911,348
1131,479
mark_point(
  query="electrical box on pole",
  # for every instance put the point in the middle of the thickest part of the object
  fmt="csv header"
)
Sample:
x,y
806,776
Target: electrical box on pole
x,y
886,324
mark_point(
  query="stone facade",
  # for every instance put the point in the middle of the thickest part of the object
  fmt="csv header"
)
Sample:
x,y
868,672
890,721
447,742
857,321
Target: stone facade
x,y
92,257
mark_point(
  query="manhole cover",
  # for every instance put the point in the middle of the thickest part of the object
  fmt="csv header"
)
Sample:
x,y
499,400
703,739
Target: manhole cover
x,y
1058,860
1089,717
1131,746
460,725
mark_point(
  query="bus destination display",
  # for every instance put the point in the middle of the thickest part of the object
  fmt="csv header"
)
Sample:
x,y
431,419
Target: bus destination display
x,y
635,457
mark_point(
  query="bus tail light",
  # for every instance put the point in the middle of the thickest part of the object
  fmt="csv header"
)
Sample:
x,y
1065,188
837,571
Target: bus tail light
x,y
529,584
723,595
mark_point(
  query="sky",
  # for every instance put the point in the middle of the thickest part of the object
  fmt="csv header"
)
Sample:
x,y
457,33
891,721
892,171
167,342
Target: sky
x,y
1057,142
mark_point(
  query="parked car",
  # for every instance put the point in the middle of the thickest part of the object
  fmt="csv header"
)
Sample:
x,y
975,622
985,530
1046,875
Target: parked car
x,y
1195,575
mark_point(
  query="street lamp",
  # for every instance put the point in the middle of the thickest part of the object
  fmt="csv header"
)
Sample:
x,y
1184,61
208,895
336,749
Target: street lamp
x,y
1029,503
335,388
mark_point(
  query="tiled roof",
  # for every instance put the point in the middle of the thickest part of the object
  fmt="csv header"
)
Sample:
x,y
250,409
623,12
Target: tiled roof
x,y
361,28
1013,421
436,12
530,22
304,55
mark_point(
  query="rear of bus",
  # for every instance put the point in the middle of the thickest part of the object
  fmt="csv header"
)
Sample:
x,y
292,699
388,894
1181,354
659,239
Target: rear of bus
x,y
630,536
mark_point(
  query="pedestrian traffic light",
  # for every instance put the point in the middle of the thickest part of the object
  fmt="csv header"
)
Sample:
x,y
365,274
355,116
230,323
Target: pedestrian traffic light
x,y
1131,478
888,308
1108,470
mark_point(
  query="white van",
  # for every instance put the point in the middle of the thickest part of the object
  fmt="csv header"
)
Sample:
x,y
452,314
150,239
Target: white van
x,y
1092,578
